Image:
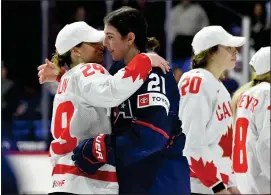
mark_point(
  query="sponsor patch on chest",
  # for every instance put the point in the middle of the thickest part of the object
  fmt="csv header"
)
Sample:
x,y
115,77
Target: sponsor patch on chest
x,y
153,99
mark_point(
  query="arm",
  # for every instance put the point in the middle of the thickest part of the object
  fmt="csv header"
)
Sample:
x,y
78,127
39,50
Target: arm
x,y
156,120
101,89
146,135
129,147
195,112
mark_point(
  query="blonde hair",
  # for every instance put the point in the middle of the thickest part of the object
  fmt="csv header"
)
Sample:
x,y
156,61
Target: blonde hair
x,y
266,77
62,60
152,44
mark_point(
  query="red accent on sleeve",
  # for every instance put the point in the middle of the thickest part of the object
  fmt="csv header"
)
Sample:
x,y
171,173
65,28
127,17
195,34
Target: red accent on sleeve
x,y
99,148
62,71
139,66
225,178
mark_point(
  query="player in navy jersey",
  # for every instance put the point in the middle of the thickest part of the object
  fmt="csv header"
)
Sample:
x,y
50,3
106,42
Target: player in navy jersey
x,y
146,143
143,146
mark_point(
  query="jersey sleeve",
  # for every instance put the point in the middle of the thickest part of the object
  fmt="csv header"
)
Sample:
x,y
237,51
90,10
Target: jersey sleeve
x,y
195,112
263,143
232,180
101,89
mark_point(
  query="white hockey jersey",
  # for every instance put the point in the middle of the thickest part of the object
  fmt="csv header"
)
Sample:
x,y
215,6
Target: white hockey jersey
x,y
80,112
205,111
251,152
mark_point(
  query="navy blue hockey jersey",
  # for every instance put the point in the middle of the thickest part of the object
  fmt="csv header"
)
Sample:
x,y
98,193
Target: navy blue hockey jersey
x,y
142,126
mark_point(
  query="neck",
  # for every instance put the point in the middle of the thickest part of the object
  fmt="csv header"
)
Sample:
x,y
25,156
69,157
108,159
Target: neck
x,y
73,65
76,62
130,55
215,69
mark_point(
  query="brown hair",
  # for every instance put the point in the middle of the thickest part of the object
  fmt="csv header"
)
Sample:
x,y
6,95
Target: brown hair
x,y
266,77
153,44
201,60
127,19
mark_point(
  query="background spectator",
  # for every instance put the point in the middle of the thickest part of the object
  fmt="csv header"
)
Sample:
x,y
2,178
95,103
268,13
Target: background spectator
x,y
187,18
80,14
10,97
258,24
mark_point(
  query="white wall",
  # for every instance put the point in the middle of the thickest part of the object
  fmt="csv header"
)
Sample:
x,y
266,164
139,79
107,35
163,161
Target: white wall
x,y
33,172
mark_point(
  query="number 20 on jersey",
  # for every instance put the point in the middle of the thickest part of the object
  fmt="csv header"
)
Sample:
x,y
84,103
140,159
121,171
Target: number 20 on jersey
x,y
191,85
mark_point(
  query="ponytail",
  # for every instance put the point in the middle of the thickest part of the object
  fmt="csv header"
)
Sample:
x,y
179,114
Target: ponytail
x,y
152,44
62,60
266,77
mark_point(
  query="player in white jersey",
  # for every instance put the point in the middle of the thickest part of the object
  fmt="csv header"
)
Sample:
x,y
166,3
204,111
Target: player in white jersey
x,y
205,112
80,105
251,108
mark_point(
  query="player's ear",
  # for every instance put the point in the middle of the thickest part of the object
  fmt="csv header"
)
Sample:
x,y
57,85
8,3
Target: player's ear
x,y
75,51
131,38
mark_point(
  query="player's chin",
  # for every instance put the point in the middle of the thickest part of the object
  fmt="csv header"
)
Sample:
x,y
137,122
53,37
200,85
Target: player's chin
x,y
231,65
116,57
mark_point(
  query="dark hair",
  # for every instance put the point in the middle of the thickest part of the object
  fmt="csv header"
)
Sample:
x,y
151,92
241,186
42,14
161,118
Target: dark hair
x,y
127,19
64,59
201,60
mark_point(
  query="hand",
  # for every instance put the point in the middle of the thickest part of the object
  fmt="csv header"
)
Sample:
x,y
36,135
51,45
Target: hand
x,y
158,61
48,72
234,190
92,153
84,164
223,192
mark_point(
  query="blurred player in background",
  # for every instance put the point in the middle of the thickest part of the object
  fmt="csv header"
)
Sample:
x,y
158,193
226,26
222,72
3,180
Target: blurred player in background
x,y
79,110
251,108
205,110
145,125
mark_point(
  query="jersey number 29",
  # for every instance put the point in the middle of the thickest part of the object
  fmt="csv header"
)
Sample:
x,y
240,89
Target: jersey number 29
x,y
61,130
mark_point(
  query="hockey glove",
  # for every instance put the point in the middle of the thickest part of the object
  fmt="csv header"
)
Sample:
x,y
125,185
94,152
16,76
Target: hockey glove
x,y
93,153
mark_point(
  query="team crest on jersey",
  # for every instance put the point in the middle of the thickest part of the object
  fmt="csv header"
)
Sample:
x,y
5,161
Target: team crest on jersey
x,y
123,109
153,99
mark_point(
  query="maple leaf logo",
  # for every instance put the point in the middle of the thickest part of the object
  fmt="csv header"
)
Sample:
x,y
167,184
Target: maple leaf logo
x,y
225,178
226,143
205,173
137,68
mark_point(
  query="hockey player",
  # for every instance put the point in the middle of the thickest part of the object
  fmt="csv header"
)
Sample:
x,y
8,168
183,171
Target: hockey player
x,y
79,110
251,149
144,125
151,163
205,110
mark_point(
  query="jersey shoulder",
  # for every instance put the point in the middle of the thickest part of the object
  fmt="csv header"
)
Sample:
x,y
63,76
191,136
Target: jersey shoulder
x,y
199,82
261,94
90,70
